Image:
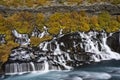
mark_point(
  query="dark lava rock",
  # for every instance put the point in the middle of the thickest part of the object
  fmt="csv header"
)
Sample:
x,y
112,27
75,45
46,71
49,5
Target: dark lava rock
x,y
114,42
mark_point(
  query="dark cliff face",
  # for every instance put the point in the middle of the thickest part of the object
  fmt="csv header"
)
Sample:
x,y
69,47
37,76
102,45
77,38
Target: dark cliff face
x,y
114,42
72,42
65,43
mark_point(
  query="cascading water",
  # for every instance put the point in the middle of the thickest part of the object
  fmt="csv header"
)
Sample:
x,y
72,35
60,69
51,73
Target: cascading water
x,y
46,66
62,52
33,66
92,44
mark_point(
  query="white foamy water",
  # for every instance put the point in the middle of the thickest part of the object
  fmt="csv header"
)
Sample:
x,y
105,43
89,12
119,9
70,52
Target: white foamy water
x,y
91,43
46,66
33,66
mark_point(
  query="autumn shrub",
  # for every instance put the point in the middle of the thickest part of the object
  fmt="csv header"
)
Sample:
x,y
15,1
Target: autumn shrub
x,y
113,26
115,2
104,19
5,50
37,3
40,20
70,2
35,41
24,3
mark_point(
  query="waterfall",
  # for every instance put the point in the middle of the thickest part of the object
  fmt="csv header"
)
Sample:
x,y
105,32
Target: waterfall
x,y
66,67
90,43
62,52
46,66
57,51
110,53
45,47
44,33
33,66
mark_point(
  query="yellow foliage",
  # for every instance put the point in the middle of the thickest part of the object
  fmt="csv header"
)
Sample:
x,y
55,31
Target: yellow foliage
x,y
22,21
113,26
5,50
94,23
118,18
41,2
37,3
29,3
74,1
84,27
94,20
40,20
35,41
20,3
104,19
54,27
115,1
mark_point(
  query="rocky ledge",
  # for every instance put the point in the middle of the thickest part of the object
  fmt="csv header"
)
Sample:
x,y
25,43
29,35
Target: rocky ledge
x,y
92,9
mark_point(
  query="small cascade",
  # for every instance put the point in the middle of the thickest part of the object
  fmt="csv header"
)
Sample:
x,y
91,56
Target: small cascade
x,y
57,51
60,33
46,66
37,33
45,47
33,66
66,67
107,49
92,43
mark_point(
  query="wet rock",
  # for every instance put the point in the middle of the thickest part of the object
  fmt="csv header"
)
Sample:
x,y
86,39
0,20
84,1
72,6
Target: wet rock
x,y
114,42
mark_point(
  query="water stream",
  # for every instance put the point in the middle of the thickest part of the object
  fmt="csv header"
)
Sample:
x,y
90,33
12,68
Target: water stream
x,y
105,70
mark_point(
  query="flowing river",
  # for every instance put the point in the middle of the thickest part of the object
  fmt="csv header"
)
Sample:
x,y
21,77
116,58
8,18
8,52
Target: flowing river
x,y
104,70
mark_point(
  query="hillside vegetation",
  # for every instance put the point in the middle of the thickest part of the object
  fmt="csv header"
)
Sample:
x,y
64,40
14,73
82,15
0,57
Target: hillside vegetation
x,y
37,3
